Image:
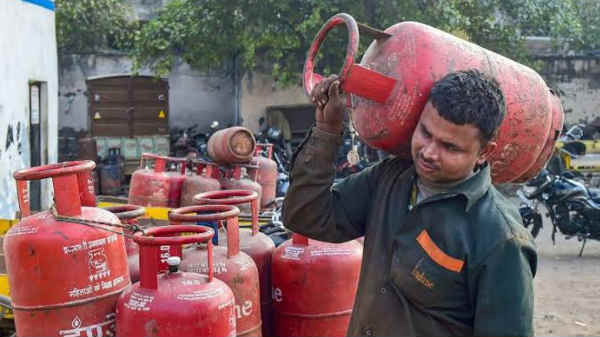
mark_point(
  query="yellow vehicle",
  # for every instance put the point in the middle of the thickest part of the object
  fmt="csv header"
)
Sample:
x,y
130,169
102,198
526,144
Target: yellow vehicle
x,y
581,156
6,314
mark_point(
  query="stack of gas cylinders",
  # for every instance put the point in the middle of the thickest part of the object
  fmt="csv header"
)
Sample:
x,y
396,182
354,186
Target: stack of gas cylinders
x,y
237,163
71,268
79,270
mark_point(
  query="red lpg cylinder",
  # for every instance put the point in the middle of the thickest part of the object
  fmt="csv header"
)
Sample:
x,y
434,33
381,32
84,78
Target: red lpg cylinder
x,y
66,268
558,119
266,173
175,303
231,266
202,181
252,242
390,88
235,179
157,187
128,214
231,145
314,285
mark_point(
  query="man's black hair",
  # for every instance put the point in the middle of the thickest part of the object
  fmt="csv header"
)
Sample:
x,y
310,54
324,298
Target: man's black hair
x,y
470,97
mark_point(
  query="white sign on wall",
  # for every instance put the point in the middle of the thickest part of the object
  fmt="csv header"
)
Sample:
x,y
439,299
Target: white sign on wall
x,y
35,104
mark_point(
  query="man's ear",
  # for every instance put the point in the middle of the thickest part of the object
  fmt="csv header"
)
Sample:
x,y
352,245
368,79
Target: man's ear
x,y
485,152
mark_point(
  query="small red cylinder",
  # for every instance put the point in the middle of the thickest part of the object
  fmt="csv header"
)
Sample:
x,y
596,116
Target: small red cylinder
x,y
232,145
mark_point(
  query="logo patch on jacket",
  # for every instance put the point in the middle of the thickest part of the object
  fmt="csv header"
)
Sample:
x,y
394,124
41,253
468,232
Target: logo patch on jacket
x,y
421,277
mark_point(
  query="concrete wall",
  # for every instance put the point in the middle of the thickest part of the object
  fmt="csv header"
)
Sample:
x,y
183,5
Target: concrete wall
x,y
74,71
28,45
199,98
578,82
258,91
194,97
575,77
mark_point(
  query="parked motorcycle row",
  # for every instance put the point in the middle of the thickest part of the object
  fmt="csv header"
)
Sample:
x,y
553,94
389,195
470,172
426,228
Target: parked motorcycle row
x,y
564,189
353,156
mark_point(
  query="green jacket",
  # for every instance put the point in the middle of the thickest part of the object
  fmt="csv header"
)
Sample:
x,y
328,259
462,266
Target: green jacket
x,y
457,264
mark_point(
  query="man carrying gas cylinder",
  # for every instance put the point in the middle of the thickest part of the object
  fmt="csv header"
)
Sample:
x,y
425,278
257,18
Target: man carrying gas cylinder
x,y
445,254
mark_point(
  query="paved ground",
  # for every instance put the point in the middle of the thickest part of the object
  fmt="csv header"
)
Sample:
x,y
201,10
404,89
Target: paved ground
x,y
567,298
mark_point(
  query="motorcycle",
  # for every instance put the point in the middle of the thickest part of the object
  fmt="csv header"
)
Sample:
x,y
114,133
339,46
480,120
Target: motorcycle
x,y
354,155
191,143
182,142
282,149
573,209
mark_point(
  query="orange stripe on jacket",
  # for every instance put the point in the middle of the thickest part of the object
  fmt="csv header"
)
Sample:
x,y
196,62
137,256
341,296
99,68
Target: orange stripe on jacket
x,y
437,255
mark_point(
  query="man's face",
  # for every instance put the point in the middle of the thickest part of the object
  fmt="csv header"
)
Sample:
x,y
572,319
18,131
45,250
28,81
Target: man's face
x,y
445,152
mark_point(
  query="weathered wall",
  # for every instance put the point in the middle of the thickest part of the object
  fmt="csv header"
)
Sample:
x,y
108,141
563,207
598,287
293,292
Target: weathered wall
x,y
575,77
28,45
200,98
74,70
194,97
258,91
578,82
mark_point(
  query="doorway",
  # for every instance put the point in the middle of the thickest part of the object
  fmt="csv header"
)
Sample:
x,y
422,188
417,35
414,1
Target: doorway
x,y
38,133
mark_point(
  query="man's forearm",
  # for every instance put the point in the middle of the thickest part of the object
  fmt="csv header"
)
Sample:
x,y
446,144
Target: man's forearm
x,y
309,205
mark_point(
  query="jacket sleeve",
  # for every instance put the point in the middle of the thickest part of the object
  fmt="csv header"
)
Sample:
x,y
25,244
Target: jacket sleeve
x,y
315,208
503,287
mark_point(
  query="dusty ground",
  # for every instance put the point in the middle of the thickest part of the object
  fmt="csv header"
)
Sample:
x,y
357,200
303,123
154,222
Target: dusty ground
x,y
567,287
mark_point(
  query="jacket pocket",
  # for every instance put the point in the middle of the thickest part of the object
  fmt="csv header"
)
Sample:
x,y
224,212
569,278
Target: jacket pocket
x,y
437,255
426,275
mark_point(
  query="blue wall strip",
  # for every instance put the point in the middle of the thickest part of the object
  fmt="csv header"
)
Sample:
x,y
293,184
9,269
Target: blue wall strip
x,y
48,4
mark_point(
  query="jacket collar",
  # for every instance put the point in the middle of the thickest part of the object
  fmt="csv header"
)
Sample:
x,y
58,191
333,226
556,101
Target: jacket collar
x,y
472,189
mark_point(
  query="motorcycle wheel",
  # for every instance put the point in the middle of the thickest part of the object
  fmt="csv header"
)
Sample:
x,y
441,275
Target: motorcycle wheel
x,y
537,225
